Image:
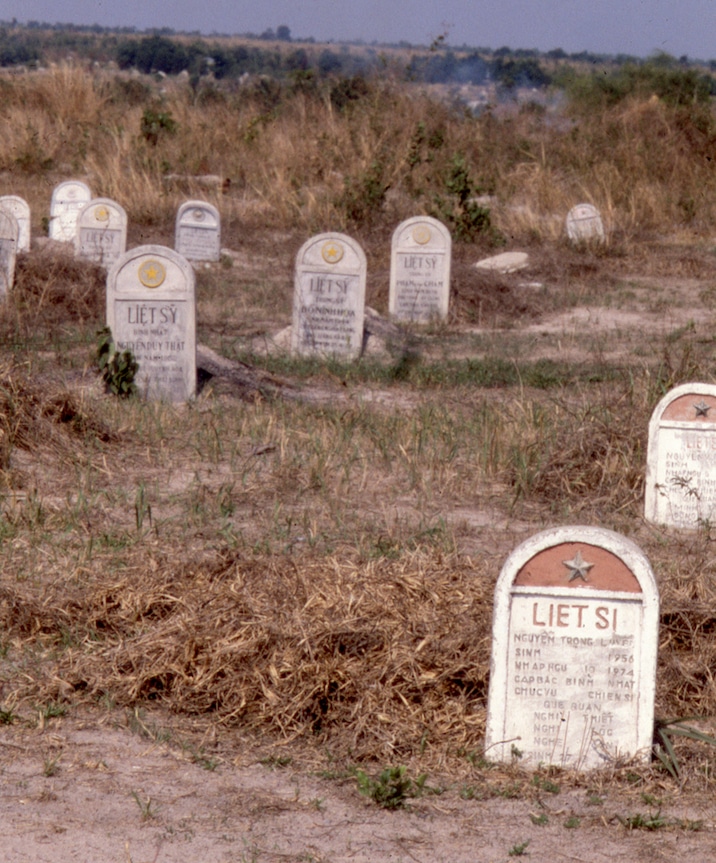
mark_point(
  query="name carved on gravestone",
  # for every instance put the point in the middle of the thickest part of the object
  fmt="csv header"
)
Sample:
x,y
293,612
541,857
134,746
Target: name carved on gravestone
x,y
584,223
68,198
573,665
329,297
8,251
151,311
20,209
420,270
197,233
681,458
101,231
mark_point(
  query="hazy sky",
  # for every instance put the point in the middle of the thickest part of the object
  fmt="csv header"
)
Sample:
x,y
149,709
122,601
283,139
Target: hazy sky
x,y
638,27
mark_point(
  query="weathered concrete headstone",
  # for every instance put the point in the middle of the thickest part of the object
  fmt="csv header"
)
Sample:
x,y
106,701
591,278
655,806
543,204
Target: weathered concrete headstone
x,y
20,209
329,297
151,311
101,232
421,256
681,458
8,251
575,634
198,231
68,199
584,224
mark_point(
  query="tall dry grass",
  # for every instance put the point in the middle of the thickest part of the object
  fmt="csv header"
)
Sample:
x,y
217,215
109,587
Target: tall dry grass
x,y
309,158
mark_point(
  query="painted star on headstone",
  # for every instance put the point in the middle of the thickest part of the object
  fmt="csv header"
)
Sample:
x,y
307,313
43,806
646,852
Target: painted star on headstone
x,y
702,409
578,567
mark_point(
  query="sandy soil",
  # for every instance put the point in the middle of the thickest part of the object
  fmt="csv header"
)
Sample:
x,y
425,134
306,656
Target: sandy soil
x,y
115,797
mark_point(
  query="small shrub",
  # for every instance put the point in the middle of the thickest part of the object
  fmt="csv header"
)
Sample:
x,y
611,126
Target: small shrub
x,y
155,123
118,369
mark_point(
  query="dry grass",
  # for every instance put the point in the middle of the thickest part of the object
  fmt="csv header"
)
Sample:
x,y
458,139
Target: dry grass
x,y
297,572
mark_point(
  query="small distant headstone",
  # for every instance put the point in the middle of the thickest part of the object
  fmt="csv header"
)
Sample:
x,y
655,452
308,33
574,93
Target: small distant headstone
x,y
420,263
101,232
574,642
8,251
68,199
151,311
329,297
584,224
20,209
198,231
507,262
681,458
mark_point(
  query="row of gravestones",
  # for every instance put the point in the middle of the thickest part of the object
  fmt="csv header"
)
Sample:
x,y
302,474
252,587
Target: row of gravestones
x,y
98,228
330,277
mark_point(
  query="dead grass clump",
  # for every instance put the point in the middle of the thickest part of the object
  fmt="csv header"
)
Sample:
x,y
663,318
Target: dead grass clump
x,y
594,454
33,418
374,659
52,287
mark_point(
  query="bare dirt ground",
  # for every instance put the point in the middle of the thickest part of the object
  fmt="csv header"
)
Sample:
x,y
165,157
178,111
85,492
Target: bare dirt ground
x,y
115,797
88,788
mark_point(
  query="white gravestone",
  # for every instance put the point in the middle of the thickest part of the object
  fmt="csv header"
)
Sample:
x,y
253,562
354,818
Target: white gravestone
x,y
198,231
68,199
151,311
584,224
681,458
20,209
329,297
574,641
420,270
8,251
101,232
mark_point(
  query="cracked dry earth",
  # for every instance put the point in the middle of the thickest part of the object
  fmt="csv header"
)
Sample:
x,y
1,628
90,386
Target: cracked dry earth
x,y
91,792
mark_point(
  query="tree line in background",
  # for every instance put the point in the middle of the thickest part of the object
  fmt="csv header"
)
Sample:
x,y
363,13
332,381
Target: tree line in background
x,y
607,78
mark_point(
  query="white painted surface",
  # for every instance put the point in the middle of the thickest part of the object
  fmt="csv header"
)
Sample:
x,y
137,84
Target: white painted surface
x,y
68,198
329,297
681,462
151,311
584,223
101,232
20,209
8,251
572,675
197,233
420,264
507,262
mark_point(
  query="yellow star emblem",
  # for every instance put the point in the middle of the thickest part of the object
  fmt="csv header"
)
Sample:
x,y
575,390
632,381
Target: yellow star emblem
x,y
152,274
332,252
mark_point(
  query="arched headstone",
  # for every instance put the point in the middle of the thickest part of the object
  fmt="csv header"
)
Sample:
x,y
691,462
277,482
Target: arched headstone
x,y
151,311
574,642
101,232
584,224
8,251
420,264
681,458
20,209
329,297
68,198
198,231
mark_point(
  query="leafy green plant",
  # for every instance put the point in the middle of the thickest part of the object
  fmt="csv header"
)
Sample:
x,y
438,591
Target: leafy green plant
x,y
156,123
118,368
664,731
391,788
464,214
651,821
519,850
